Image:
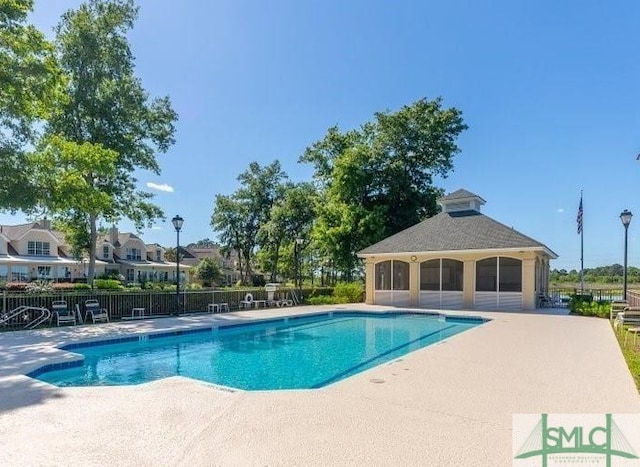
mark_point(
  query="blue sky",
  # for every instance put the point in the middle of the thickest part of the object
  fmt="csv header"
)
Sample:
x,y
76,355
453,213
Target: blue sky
x,y
549,90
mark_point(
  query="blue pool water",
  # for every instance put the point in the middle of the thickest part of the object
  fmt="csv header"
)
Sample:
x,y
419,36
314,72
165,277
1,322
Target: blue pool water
x,y
296,353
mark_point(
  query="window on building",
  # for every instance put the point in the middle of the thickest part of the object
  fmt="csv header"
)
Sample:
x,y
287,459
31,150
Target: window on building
x,y
158,255
38,248
105,252
133,254
64,272
131,275
430,275
392,275
4,270
19,273
44,272
499,274
452,275
383,275
400,275
487,275
510,275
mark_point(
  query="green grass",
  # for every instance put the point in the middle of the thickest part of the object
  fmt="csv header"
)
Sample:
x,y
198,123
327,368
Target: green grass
x,y
631,355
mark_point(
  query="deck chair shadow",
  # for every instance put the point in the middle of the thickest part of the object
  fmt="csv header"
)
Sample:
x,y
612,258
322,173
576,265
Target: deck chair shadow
x,y
98,314
62,313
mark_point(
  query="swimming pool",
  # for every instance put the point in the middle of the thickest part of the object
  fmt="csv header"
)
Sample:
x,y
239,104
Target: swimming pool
x,y
302,352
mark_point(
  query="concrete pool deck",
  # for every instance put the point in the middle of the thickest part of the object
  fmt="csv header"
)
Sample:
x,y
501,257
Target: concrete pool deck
x,y
448,404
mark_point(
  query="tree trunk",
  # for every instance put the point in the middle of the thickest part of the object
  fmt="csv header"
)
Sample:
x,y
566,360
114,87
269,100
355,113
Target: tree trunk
x,y
92,249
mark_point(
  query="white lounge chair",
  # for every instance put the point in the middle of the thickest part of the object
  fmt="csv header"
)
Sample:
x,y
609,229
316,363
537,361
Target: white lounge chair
x,y
62,313
97,314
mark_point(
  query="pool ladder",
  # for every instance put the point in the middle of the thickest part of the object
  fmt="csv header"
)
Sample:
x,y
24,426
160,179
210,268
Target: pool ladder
x,y
42,314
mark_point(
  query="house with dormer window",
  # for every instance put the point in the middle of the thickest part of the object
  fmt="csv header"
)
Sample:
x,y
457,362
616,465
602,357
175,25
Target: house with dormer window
x,y
138,262
35,251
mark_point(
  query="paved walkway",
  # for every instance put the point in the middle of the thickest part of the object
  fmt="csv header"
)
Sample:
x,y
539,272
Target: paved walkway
x,y
449,404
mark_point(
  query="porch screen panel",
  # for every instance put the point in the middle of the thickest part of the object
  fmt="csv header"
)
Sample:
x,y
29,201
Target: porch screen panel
x,y
383,275
430,275
452,275
400,275
510,275
487,275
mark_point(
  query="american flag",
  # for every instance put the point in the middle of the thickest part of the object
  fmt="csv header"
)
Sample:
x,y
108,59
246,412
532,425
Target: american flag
x,y
579,217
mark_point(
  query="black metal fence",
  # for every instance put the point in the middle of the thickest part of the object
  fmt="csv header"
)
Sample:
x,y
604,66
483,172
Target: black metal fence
x,y
561,296
120,304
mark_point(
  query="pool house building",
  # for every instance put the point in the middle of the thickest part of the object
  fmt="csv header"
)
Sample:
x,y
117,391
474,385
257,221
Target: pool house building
x,y
458,259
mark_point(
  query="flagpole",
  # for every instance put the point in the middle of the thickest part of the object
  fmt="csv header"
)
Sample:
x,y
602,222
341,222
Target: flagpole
x,y
581,246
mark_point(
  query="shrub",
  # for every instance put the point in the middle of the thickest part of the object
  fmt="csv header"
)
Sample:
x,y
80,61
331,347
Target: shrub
x,y
81,286
64,286
107,284
348,292
585,306
321,300
39,286
16,286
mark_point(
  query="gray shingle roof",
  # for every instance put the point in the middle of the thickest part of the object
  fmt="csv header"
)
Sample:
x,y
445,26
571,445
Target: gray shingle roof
x,y
451,231
459,194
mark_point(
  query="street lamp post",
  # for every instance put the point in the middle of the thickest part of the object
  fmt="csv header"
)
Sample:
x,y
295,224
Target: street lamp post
x,y
299,242
625,217
177,224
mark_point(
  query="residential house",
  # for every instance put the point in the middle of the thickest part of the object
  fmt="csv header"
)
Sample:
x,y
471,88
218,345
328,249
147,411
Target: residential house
x,y
135,260
35,251
228,263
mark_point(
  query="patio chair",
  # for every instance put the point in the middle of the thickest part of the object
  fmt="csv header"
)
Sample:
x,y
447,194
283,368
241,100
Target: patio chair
x,y
544,301
62,313
92,308
247,302
617,306
217,307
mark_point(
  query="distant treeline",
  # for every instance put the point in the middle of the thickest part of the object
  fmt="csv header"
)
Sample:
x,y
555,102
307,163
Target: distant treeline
x,y
603,275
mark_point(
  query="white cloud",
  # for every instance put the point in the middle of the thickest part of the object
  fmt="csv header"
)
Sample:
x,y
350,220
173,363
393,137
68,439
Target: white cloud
x,y
560,210
156,227
160,187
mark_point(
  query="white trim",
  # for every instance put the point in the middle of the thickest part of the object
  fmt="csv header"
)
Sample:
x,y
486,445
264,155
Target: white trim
x,y
43,260
488,251
142,264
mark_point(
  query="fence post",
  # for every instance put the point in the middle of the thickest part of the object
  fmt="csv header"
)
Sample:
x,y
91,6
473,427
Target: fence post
x,y
4,301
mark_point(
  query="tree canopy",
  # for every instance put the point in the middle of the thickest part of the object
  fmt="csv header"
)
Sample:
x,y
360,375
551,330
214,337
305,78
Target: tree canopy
x,y
30,85
105,127
368,183
379,179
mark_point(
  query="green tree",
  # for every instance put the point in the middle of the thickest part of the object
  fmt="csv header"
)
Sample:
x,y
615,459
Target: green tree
x,y
106,110
378,180
238,218
291,217
208,271
30,84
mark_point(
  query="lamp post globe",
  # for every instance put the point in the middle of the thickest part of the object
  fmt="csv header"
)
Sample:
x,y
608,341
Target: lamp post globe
x,y
625,217
177,224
